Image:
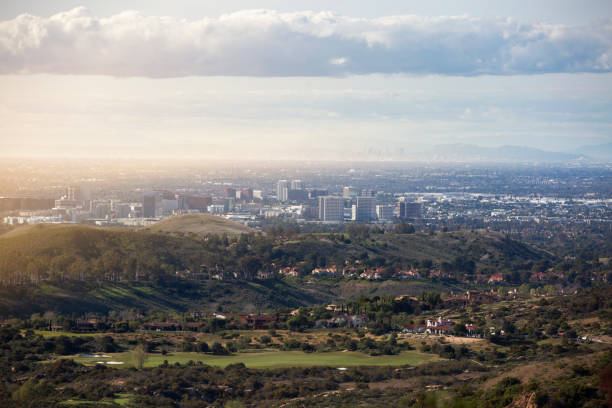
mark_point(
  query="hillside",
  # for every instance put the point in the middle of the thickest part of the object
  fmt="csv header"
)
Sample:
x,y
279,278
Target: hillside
x,y
200,224
73,268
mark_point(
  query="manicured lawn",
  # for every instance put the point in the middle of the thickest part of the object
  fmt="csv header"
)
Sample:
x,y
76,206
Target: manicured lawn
x,y
274,359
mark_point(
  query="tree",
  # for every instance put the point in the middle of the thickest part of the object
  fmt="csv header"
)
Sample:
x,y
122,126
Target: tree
x,y
139,355
218,349
459,329
404,228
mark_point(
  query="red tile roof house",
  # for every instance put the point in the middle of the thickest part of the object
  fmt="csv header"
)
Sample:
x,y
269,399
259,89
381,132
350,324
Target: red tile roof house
x,y
325,271
439,326
372,274
496,278
289,271
411,274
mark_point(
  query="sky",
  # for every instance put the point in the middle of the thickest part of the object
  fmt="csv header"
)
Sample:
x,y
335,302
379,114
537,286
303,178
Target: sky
x,y
331,80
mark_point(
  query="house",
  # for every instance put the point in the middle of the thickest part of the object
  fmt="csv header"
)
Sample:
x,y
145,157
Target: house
x,y
348,321
325,271
538,277
436,273
258,321
414,328
350,272
472,330
334,308
439,326
455,301
288,271
372,274
475,298
410,274
496,278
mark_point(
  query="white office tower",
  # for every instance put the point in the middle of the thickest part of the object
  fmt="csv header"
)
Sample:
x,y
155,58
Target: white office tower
x,y
384,212
282,190
331,209
297,185
365,209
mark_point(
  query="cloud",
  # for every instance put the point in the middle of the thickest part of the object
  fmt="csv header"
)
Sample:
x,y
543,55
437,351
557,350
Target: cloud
x,y
270,43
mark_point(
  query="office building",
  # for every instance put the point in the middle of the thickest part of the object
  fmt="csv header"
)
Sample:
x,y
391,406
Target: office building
x,y
229,192
246,194
297,185
349,192
297,195
74,193
384,212
368,193
410,210
282,190
317,193
331,208
229,205
365,209
151,205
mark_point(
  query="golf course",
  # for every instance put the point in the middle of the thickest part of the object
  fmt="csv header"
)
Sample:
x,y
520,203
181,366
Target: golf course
x,y
266,359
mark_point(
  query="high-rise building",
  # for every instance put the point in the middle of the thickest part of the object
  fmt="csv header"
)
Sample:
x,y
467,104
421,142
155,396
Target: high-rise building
x,y
349,192
365,209
100,208
331,208
297,195
121,210
384,212
368,193
317,193
282,190
229,192
410,210
229,204
74,193
151,204
246,194
297,185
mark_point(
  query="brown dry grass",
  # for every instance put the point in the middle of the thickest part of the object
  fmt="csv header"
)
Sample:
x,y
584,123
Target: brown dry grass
x,y
200,224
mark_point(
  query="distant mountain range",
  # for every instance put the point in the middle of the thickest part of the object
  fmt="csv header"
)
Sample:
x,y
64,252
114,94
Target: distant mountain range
x,y
469,152
602,152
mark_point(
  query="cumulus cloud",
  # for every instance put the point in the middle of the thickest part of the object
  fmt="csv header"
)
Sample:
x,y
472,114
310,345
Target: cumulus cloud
x,y
270,43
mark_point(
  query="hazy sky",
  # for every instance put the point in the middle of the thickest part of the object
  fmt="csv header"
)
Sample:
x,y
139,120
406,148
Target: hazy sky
x,y
299,79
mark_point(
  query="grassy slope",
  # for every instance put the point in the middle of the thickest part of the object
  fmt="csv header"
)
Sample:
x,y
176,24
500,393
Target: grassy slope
x,y
200,224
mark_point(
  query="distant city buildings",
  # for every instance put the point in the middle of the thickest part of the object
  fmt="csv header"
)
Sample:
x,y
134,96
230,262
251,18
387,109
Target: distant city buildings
x,y
412,210
282,190
349,192
150,205
331,209
365,209
297,185
384,212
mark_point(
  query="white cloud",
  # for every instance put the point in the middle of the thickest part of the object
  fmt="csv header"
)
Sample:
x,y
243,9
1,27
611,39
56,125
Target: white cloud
x,y
270,43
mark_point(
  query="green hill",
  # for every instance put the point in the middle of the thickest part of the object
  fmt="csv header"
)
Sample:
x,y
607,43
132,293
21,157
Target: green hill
x,y
79,268
200,224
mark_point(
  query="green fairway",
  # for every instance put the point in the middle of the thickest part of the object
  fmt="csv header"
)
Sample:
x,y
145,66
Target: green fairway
x,y
273,359
47,333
